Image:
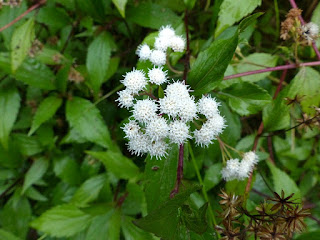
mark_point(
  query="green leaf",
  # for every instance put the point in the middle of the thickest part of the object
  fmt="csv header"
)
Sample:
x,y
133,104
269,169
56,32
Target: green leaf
x,y
116,163
105,227
189,3
160,177
212,176
131,232
310,236
54,17
248,21
35,173
163,221
4,235
98,58
233,11
89,190
21,43
282,181
144,15
256,61
121,6
133,204
62,221
86,119
66,168
195,220
28,146
45,111
208,70
246,98
9,108
34,194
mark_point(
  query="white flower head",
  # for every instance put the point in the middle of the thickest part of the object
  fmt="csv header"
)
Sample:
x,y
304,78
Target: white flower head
x,y
158,149
177,44
310,31
178,132
162,43
251,157
157,129
135,81
143,51
125,99
158,57
139,145
157,75
166,32
169,106
144,110
216,124
131,129
231,170
208,106
203,137
245,168
188,109
178,90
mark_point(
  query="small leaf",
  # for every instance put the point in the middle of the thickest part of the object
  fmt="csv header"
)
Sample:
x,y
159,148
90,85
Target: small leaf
x,y
21,43
27,145
121,6
45,111
62,221
87,121
248,21
246,98
35,173
116,163
67,168
9,108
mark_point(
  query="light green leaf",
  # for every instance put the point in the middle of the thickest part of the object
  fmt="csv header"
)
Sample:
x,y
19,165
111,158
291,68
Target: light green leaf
x,y
121,6
233,11
212,176
21,43
35,173
116,163
9,108
45,111
189,3
89,190
62,221
86,119
4,235
246,98
208,70
144,15
34,194
98,58
131,232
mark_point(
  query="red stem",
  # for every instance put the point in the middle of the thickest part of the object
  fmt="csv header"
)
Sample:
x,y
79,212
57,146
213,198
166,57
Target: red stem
x,y
23,14
179,172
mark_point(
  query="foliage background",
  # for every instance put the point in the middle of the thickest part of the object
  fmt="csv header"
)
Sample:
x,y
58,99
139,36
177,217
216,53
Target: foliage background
x,y
65,171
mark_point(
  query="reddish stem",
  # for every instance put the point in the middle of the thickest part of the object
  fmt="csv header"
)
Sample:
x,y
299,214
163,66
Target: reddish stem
x,y
179,172
23,14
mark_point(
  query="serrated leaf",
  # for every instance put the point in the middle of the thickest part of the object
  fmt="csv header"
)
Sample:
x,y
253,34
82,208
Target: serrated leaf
x,y
86,119
89,190
195,220
4,235
62,221
98,58
246,98
208,70
21,43
233,11
45,111
131,232
116,163
9,108
121,6
35,173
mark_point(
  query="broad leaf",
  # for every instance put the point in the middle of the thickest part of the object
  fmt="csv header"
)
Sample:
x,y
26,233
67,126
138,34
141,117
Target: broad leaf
x,y
131,232
310,236
21,43
121,6
62,221
67,168
9,108
212,176
27,145
195,220
45,111
4,235
86,119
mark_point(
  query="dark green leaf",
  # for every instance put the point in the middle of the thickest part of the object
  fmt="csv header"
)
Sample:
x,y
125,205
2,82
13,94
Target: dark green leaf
x,y
195,220
66,168
55,18
28,146
4,235
309,236
131,232
212,176
248,21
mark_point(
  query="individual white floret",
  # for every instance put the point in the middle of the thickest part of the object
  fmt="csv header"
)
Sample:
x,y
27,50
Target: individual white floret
x,y
157,76
135,81
245,169
125,99
144,110
178,132
188,109
177,44
139,145
131,129
169,106
230,171
162,43
251,157
158,149
166,32
216,124
203,137
143,51
208,106
158,57
157,129
177,90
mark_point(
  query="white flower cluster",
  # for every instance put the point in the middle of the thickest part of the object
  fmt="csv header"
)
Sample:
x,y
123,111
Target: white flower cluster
x,y
310,31
157,122
167,38
235,169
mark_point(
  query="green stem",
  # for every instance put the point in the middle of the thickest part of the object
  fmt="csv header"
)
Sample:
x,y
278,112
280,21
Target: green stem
x,y
204,192
276,9
116,89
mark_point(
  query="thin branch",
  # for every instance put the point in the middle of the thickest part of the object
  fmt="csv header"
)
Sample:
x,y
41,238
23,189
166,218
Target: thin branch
x,y
39,4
